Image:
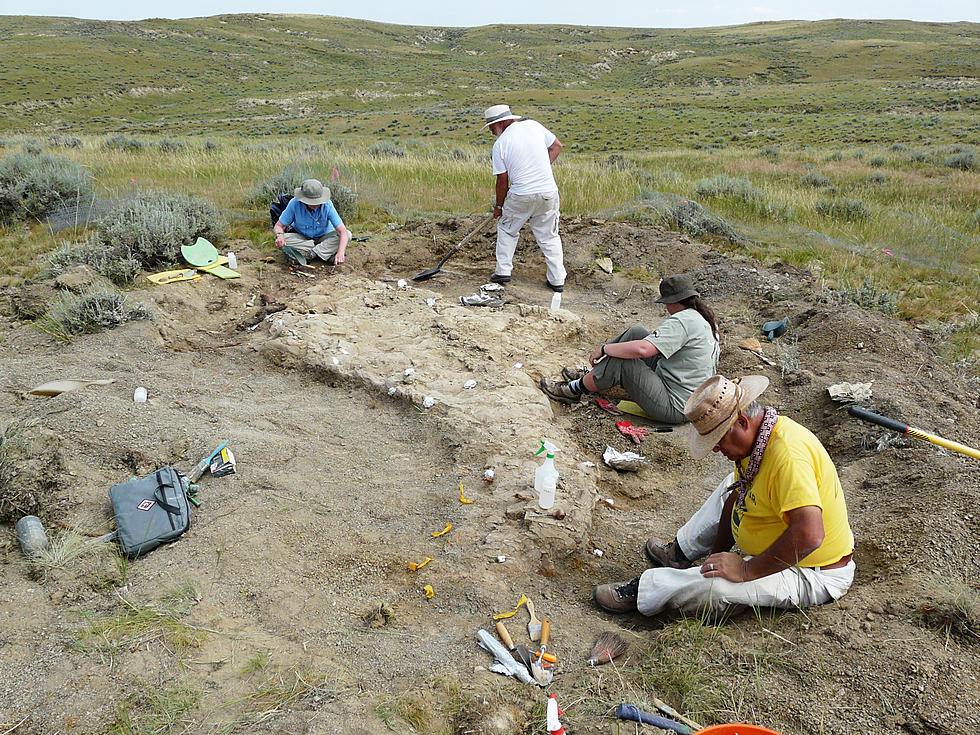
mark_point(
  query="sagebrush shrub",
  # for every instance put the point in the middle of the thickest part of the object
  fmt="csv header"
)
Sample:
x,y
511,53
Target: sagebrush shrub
x,y
95,311
815,180
344,200
64,141
721,185
122,142
771,152
877,161
343,197
386,148
170,145
836,156
145,230
850,210
964,161
31,185
876,177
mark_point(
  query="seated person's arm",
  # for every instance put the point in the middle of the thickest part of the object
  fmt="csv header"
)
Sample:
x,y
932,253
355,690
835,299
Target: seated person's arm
x,y
724,540
280,231
637,348
342,247
803,536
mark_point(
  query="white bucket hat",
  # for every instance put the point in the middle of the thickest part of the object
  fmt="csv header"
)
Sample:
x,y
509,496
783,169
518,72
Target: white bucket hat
x,y
312,192
498,113
716,405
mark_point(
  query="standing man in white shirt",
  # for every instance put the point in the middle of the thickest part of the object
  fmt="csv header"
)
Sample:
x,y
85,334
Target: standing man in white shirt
x,y
526,190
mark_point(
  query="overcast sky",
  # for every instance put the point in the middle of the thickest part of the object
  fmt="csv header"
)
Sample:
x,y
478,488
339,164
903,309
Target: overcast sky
x,y
635,13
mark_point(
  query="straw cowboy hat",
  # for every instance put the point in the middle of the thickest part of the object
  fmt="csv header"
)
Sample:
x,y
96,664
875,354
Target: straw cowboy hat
x,y
674,289
498,113
312,192
715,406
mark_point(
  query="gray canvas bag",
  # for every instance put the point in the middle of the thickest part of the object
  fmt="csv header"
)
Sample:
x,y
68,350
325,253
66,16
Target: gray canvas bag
x,y
150,511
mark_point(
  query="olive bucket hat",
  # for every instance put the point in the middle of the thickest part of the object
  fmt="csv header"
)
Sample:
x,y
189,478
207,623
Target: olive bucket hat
x,y
674,289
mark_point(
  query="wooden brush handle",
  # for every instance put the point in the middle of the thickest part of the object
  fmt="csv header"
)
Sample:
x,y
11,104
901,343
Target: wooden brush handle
x,y
505,636
545,632
530,610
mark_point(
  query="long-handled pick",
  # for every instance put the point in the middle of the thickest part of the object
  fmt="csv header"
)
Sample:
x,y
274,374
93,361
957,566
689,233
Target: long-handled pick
x,y
427,274
901,428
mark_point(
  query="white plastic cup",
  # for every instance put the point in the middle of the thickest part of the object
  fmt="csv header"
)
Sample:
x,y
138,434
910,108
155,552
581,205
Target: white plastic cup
x,y
556,302
232,261
139,395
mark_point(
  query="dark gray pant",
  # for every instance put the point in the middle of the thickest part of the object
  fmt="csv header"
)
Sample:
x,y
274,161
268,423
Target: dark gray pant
x,y
639,379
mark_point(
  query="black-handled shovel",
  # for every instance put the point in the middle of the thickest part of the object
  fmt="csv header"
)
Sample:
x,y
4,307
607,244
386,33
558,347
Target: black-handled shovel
x,y
427,274
893,425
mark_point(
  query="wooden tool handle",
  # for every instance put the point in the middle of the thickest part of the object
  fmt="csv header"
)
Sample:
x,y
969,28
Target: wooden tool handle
x,y
505,636
545,632
530,610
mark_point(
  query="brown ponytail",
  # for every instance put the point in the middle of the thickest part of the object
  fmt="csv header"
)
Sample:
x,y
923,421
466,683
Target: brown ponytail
x,y
702,308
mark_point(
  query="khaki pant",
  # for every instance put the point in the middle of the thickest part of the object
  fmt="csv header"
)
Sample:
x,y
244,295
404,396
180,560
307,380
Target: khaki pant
x,y
301,248
688,591
542,211
639,379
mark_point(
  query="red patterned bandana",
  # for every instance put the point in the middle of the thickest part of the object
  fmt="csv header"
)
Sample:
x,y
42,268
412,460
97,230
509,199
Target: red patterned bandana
x,y
745,478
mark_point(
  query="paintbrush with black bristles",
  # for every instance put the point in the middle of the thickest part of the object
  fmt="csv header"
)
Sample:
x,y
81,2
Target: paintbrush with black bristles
x,y
608,647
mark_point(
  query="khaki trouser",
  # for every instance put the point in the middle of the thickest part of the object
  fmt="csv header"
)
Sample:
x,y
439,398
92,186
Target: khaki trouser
x,y
542,211
302,248
639,379
688,591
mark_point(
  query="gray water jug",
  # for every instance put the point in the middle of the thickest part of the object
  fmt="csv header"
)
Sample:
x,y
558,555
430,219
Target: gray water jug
x,y
31,535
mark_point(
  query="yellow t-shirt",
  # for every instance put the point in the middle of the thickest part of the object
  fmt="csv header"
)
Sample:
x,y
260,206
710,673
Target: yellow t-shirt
x,y
796,471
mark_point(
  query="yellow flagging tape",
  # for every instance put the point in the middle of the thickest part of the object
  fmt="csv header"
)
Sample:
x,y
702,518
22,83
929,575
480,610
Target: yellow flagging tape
x,y
429,592
415,567
463,500
443,532
512,613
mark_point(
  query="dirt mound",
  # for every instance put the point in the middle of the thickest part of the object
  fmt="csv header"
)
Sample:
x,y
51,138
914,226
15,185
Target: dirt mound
x,y
298,611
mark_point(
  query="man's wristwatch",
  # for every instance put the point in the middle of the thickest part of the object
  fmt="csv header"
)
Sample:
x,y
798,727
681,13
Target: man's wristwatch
x,y
603,351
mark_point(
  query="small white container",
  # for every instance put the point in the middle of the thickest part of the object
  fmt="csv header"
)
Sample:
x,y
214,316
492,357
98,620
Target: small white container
x,y
139,395
232,261
556,302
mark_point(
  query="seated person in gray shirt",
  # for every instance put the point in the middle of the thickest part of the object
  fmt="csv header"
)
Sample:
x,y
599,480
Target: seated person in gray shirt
x,y
660,369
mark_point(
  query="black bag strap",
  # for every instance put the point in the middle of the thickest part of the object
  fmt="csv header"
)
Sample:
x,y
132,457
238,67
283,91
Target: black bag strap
x,y
161,497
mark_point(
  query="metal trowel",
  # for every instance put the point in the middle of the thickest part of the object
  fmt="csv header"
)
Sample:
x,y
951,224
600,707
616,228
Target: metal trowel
x,y
542,675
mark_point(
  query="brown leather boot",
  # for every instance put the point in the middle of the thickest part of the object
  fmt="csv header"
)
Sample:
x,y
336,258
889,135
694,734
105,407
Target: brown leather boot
x,y
618,597
662,554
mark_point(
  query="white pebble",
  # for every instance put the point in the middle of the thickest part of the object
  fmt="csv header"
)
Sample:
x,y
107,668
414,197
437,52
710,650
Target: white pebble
x,y
469,384
392,390
428,402
402,283
597,552
409,372
488,475
430,301
335,360
587,463
518,365
501,559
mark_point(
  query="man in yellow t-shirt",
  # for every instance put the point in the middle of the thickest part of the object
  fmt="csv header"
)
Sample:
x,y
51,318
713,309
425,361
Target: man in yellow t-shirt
x,y
783,506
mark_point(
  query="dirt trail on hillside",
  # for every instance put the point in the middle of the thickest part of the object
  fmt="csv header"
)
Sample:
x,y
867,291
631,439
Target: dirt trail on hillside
x,y
298,564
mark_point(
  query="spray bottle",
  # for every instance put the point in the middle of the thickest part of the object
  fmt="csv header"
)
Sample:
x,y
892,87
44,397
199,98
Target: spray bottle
x,y
546,476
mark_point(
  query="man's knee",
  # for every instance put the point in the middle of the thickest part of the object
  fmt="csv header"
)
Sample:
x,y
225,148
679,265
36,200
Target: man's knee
x,y
637,331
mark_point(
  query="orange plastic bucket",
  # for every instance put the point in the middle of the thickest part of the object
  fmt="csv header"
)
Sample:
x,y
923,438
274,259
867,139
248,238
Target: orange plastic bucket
x,y
736,730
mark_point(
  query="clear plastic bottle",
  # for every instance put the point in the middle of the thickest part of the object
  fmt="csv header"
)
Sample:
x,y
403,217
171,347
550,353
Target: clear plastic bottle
x,y
232,261
546,476
139,395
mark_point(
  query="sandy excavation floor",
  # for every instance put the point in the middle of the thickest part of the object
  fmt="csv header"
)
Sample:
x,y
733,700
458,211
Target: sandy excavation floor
x,y
289,606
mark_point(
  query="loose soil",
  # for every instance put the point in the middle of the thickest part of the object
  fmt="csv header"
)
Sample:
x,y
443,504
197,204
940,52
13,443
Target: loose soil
x,y
298,564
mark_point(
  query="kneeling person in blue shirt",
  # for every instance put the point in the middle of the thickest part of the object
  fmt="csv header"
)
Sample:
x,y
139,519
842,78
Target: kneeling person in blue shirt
x,y
309,227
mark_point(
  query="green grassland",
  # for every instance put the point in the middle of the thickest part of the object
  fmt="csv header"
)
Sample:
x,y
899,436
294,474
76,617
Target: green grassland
x,y
849,146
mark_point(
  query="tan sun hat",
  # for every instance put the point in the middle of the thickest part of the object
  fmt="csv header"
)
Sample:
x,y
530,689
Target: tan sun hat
x,y
714,407
312,192
498,113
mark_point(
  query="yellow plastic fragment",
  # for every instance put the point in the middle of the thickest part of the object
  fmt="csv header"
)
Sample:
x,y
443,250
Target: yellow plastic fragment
x,y
463,500
415,567
429,592
443,532
512,613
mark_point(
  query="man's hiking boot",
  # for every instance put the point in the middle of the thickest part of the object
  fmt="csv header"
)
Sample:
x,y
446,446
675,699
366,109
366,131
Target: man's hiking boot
x,y
499,279
557,289
663,554
618,597
573,373
558,390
